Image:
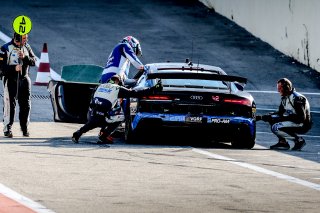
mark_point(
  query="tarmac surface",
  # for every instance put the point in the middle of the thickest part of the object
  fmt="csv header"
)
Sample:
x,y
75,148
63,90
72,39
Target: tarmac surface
x,y
177,177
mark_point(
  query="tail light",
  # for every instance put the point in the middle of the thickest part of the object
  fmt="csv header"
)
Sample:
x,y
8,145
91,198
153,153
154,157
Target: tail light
x,y
243,101
157,97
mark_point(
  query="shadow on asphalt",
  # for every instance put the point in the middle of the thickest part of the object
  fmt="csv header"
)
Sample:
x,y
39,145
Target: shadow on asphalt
x,y
119,143
91,141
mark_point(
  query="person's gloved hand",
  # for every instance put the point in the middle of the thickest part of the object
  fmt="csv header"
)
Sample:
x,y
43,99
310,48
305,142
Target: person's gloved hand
x,y
113,112
142,70
157,87
258,117
266,118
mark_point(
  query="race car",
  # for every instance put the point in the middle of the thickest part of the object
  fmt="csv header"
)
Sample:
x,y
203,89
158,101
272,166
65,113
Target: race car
x,y
197,100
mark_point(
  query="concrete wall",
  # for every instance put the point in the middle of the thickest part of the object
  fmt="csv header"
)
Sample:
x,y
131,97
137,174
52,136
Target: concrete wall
x,y
290,26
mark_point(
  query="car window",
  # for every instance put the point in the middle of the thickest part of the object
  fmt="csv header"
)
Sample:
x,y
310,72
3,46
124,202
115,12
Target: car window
x,y
233,87
196,83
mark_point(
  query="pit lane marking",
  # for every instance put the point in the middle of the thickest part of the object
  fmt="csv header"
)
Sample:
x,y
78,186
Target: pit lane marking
x,y
15,202
7,205
275,92
269,109
260,169
306,136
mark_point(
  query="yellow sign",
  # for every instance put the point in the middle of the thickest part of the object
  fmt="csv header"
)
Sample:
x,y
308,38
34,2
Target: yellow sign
x,y
22,25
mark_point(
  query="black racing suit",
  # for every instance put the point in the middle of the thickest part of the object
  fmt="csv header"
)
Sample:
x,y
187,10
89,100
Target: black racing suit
x,y
16,85
101,106
293,116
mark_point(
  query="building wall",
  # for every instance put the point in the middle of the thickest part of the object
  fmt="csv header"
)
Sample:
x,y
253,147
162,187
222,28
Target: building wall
x,y
290,26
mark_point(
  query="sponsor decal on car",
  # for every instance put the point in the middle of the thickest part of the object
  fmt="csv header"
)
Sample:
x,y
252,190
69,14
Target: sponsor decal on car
x,y
220,120
193,119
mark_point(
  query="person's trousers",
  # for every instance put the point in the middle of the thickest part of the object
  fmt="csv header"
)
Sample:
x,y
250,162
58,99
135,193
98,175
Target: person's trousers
x,y
16,89
286,129
94,121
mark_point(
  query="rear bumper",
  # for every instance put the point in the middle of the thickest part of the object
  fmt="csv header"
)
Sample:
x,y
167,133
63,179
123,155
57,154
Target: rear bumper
x,y
220,127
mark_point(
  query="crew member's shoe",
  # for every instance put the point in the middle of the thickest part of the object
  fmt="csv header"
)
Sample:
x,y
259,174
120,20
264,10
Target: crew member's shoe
x,y
281,145
75,137
118,134
8,134
298,144
105,140
25,133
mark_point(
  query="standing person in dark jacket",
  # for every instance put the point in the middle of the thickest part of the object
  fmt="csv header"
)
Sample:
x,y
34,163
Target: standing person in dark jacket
x,y
17,59
292,118
105,104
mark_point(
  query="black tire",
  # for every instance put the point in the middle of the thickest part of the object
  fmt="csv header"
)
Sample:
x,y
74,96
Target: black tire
x,y
244,139
129,136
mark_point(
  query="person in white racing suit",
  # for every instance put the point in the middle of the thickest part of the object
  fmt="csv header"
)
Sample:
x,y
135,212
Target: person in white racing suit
x,y
292,118
123,54
105,108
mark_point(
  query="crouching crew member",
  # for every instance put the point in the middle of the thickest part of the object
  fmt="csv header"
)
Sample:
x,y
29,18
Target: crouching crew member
x,y
105,104
292,118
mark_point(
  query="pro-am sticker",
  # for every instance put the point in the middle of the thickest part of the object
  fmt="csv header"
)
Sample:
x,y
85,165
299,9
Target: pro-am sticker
x,y
220,120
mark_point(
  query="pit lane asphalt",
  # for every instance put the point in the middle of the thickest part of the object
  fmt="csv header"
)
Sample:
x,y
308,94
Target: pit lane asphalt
x,y
84,32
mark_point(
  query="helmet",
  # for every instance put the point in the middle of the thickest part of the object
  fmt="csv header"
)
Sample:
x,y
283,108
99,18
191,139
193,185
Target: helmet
x,y
111,80
134,43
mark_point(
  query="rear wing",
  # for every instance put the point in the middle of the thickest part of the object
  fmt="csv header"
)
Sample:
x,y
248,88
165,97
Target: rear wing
x,y
200,76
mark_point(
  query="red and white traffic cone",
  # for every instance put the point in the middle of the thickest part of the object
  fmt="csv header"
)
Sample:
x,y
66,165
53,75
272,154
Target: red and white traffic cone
x,y
43,74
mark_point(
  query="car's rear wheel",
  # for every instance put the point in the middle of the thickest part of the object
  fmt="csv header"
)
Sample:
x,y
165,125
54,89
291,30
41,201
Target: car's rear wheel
x,y
244,139
129,135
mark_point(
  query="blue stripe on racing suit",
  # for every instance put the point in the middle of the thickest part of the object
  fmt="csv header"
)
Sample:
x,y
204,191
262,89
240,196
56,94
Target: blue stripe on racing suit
x,y
119,62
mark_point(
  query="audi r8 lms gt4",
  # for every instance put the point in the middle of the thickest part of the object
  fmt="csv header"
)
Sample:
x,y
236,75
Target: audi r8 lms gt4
x,y
199,100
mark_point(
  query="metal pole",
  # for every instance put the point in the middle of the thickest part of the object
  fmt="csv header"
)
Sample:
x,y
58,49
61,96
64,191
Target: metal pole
x,y
20,63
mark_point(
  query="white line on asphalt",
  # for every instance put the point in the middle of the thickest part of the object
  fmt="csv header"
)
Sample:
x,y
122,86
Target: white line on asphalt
x,y
269,109
4,37
260,169
274,92
23,200
17,140
306,136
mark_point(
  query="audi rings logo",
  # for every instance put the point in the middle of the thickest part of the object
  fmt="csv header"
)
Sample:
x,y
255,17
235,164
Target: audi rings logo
x,y
196,97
